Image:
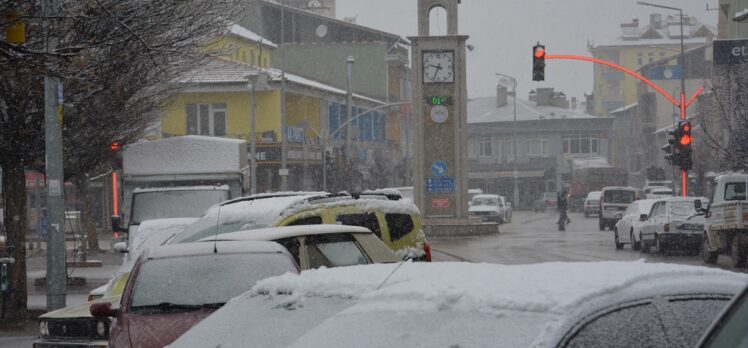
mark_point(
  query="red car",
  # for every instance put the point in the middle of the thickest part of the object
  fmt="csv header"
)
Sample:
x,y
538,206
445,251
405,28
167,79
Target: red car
x,y
174,287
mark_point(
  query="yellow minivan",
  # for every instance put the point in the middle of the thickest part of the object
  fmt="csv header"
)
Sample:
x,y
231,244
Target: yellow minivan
x,y
394,220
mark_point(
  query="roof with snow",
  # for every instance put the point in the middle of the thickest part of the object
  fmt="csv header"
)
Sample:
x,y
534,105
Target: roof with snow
x,y
666,32
483,110
177,156
245,33
225,71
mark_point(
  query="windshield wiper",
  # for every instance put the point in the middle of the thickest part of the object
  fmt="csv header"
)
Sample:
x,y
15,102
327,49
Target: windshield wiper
x,y
169,307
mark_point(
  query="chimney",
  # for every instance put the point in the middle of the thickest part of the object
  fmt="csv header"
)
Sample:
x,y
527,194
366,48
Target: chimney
x,y
501,96
573,103
544,96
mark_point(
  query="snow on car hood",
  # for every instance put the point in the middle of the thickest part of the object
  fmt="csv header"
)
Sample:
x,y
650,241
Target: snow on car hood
x,y
481,208
515,302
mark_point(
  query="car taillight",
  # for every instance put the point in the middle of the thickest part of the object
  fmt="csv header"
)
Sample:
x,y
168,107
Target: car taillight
x,y
427,251
667,227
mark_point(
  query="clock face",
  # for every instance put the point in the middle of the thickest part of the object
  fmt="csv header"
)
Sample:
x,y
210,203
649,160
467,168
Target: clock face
x,y
438,67
321,30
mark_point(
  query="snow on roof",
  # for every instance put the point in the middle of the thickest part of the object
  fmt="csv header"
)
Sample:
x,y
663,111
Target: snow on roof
x,y
185,155
625,108
483,110
241,31
669,34
322,301
267,234
225,71
192,249
741,16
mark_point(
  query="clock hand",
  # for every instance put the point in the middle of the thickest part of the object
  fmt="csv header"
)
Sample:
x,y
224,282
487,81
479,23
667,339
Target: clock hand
x,y
438,67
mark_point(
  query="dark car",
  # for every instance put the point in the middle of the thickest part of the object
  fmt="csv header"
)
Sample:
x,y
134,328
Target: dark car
x,y
729,329
174,287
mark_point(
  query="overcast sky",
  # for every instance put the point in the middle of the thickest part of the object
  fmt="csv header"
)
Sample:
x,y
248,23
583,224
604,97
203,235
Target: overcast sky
x,y
504,31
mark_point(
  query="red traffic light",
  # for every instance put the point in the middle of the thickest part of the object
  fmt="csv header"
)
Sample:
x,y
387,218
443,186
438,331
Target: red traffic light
x,y
539,52
115,146
685,140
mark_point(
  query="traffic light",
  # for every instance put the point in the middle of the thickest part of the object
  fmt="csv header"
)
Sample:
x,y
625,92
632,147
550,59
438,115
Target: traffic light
x,y
668,149
116,155
538,62
685,140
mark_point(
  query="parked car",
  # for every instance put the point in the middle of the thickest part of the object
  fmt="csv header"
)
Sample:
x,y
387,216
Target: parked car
x,y
673,224
614,202
490,208
600,304
174,287
547,200
396,221
727,216
321,245
628,228
729,329
592,203
472,193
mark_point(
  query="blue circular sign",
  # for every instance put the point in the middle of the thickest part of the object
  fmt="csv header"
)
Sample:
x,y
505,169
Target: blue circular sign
x,y
439,168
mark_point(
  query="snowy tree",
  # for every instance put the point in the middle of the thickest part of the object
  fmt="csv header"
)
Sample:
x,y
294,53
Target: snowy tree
x,y
118,61
726,129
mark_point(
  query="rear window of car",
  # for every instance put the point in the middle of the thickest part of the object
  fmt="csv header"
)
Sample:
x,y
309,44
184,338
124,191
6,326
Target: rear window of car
x,y
367,220
310,220
619,196
399,225
334,251
735,191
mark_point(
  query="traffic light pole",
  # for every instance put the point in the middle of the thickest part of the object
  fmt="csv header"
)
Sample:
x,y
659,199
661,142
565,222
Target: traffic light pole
x,y
682,104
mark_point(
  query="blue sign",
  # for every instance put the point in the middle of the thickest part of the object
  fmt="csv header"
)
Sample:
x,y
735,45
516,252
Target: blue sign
x,y
444,184
439,168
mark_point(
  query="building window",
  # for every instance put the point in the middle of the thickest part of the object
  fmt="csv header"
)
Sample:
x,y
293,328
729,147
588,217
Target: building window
x,y
244,57
206,119
651,57
581,145
537,147
663,54
640,59
485,147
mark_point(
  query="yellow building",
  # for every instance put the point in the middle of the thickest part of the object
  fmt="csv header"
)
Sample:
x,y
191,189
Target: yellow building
x,y
637,46
215,101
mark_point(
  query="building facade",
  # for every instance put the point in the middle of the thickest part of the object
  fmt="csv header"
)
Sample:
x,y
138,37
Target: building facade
x,y
639,45
537,147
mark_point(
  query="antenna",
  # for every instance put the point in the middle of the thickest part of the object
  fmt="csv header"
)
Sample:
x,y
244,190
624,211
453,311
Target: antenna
x,y
218,223
391,274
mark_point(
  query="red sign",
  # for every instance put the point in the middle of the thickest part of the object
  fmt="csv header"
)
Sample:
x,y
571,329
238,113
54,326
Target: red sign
x,y
440,203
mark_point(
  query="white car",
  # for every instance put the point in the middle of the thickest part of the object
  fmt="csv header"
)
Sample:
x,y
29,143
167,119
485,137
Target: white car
x,y
628,228
490,208
660,193
592,203
593,304
673,223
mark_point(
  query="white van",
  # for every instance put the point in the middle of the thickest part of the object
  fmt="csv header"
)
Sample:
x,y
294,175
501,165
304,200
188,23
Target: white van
x,y
613,202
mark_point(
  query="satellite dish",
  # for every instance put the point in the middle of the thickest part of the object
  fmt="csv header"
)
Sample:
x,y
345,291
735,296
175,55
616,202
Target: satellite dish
x,y
668,73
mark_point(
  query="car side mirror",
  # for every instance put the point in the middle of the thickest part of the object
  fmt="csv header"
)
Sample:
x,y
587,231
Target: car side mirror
x,y
697,205
116,223
103,310
643,217
120,247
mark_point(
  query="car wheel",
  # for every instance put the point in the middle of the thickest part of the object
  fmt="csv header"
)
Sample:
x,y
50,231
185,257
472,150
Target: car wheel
x,y
644,244
619,245
708,256
659,245
634,244
738,252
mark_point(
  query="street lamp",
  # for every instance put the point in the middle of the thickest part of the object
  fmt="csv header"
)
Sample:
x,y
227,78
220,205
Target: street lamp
x,y
256,81
514,136
682,45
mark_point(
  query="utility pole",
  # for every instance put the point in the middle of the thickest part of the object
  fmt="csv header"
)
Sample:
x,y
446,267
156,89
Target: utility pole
x,y
252,137
56,273
349,106
515,174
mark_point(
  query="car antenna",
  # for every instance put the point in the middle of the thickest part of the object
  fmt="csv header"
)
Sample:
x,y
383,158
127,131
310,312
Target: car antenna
x,y
391,274
218,223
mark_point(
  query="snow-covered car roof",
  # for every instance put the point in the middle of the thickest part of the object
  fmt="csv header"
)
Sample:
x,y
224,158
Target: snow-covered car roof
x,y
486,196
193,249
594,195
286,232
436,304
182,188
151,233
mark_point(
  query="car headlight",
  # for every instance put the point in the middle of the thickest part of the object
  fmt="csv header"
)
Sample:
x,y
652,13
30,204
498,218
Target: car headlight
x,y
101,328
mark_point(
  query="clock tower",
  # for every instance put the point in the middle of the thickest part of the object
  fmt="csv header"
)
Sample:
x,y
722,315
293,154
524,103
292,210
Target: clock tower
x,y
440,180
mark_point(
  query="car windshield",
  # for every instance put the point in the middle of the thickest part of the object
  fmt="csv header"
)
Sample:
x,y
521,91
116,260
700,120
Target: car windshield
x,y
619,196
202,280
485,201
166,204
